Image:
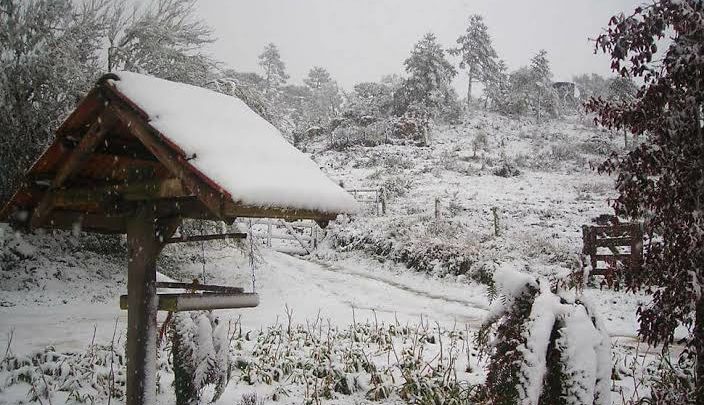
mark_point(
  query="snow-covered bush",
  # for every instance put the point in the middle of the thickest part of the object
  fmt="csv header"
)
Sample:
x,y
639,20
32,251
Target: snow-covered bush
x,y
507,168
84,376
428,246
546,345
200,349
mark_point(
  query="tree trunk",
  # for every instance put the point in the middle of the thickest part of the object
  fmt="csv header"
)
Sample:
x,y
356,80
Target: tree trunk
x,y
699,343
469,87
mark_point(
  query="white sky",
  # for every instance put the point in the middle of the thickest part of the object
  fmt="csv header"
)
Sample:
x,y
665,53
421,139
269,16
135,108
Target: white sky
x,y
361,40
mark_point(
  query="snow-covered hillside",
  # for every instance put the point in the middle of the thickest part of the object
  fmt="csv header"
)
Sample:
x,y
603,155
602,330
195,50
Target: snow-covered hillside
x,y
406,268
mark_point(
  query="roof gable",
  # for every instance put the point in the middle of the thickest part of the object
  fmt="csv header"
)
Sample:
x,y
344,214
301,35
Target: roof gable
x,y
195,152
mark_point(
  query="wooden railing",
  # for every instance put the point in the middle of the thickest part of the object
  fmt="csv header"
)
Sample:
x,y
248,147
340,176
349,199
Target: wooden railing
x,y
290,236
616,246
372,197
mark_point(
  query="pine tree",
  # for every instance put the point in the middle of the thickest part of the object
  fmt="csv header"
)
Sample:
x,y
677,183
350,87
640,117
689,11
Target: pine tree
x,y
477,53
274,71
317,77
325,100
430,75
496,86
660,181
545,97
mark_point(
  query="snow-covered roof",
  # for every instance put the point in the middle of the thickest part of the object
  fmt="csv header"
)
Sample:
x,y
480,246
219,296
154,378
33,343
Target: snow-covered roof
x,y
233,146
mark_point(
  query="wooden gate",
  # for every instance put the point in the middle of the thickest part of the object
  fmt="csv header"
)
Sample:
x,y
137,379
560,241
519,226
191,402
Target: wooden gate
x,y
616,246
373,198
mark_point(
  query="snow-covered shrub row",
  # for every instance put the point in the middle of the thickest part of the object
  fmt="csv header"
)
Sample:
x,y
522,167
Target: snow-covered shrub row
x,y
653,377
421,243
546,345
83,377
417,363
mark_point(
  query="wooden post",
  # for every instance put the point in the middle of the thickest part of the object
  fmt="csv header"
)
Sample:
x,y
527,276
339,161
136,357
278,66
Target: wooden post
x,y
383,201
314,231
437,208
636,235
589,245
268,233
141,314
495,212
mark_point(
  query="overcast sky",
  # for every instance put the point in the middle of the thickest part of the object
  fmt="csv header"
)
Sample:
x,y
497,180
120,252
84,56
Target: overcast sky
x,y
361,40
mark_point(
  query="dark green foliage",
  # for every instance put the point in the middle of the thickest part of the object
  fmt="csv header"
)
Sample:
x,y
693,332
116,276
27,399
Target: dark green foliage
x,y
184,370
554,382
660,181
502,380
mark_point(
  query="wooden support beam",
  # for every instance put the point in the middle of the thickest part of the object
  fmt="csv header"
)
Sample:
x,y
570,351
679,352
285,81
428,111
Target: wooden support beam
x,y
233,210
96,133
198,302
74,220
140,191
200,238
143,249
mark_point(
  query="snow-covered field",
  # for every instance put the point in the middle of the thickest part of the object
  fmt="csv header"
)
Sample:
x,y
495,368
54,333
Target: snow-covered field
x,y
56,293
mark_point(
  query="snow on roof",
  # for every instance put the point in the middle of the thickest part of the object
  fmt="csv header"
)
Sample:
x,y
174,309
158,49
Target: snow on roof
x,y
236,148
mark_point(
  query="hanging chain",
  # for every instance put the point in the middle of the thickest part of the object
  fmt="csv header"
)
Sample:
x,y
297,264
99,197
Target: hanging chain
x,y
251,256
202,253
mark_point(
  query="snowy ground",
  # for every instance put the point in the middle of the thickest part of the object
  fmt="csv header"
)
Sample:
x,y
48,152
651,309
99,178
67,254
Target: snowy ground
x,y
54,292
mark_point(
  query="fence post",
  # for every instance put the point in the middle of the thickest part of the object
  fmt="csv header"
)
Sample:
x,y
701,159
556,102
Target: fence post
x,y
268,233
495,212
437,208
376,202
383,201
636,247
589,244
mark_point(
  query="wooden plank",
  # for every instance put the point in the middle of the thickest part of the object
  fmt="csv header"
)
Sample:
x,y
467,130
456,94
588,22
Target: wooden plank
x,y
613,230
233,210
72,220
613,242
199,302
612,257
88,143
201,238
199,287
77,198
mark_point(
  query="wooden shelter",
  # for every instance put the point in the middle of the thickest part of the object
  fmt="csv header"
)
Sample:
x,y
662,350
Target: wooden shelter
x,y
114,169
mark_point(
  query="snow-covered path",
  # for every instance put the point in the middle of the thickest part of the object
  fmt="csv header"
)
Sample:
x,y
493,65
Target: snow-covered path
x,y
309,288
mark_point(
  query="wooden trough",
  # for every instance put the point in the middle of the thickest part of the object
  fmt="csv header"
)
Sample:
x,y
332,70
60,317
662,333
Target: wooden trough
x,y
112,170
199,297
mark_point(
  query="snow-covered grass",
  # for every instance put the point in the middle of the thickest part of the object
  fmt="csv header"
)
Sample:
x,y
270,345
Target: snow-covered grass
x,y
550,192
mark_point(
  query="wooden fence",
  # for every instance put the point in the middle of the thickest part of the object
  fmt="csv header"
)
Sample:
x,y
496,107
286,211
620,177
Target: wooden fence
x,y
617,246
371,197
292,237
